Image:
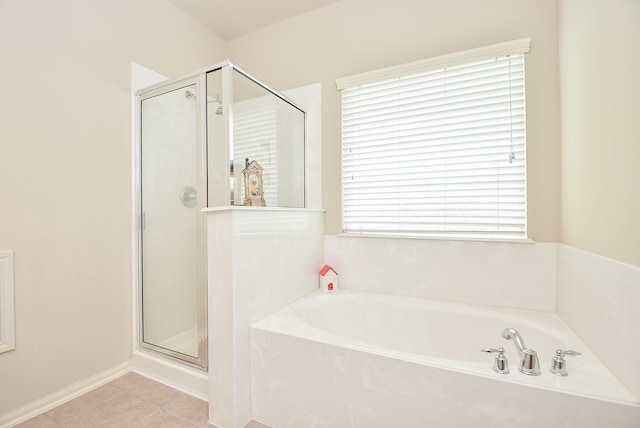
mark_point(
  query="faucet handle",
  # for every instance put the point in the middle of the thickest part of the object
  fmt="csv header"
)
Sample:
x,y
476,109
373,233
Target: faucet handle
x,y
561,352
558,363
500,363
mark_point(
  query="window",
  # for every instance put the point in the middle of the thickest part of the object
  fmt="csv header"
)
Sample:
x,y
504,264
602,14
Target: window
x,y
437,147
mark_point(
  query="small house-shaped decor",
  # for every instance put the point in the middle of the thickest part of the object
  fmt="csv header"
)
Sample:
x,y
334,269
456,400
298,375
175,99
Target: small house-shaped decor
x,y
253,186
328,279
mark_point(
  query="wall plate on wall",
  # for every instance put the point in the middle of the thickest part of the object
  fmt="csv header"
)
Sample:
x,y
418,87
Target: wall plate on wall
x,y
7,318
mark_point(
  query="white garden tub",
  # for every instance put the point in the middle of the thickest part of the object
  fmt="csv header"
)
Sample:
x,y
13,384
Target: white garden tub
x,y
355,359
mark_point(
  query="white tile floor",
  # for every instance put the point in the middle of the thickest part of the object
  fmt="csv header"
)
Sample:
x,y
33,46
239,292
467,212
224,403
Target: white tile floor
x,y
131,401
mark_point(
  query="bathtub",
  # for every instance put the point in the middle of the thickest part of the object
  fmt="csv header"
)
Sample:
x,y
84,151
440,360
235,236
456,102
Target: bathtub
x,y
357,359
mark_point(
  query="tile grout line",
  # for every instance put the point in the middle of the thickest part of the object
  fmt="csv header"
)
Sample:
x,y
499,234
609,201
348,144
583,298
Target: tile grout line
x,y
92,408
126,394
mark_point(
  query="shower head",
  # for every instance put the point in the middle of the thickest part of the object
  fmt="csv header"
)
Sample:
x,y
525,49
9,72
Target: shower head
x,y
219,109
191,96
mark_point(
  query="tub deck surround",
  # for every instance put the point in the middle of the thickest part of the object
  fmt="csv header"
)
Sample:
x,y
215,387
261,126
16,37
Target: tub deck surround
x,y
349,359
505,274
598,297
259,261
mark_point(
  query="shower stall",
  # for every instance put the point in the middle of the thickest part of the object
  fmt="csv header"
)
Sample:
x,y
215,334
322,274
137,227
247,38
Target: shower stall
x,y
218,138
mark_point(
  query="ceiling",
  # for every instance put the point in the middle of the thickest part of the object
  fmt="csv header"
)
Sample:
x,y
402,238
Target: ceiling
x,y
233,18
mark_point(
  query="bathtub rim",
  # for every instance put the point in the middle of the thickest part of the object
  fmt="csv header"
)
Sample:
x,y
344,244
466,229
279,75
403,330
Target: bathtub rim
x,y
283,322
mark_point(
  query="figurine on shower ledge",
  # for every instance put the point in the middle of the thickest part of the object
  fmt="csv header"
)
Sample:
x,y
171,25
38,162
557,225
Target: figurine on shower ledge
x,y
254,188
253,185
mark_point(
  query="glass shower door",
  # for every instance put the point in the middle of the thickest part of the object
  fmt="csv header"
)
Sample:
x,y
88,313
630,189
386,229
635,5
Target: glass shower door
x,y
172,299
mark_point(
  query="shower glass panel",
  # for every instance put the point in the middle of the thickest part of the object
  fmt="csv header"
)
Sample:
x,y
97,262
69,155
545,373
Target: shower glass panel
x,y
271,131
170,224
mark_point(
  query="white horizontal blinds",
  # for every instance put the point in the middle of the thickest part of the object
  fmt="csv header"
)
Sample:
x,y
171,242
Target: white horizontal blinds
x,y
255,137
439,151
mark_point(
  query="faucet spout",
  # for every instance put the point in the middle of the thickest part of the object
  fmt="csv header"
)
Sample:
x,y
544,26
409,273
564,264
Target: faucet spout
x,y
529,363
512,334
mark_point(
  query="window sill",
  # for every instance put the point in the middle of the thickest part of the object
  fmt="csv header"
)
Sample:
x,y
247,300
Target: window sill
x,y
514,240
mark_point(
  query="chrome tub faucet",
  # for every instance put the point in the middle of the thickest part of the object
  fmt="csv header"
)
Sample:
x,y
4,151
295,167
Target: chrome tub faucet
x,y
558,363
529,363
500,362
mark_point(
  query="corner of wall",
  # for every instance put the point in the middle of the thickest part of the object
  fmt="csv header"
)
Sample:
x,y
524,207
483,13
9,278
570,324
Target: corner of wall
x,y
598,298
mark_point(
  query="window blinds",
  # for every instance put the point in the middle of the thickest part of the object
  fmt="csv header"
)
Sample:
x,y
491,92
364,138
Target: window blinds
x,y
437,152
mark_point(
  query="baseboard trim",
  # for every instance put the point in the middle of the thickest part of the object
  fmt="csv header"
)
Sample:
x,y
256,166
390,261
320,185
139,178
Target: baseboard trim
x,y
186,379
57,398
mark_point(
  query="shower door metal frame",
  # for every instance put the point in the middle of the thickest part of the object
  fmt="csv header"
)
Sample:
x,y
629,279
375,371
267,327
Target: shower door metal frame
x,y
201,361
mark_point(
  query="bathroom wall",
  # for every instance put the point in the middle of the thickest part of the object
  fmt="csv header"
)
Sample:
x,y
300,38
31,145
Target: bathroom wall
x,y
354,36
65,176
599,267
599,69
487,273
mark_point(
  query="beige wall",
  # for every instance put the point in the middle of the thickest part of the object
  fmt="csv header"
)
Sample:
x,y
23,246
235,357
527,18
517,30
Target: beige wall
x,y
353,36
600,72
65,73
